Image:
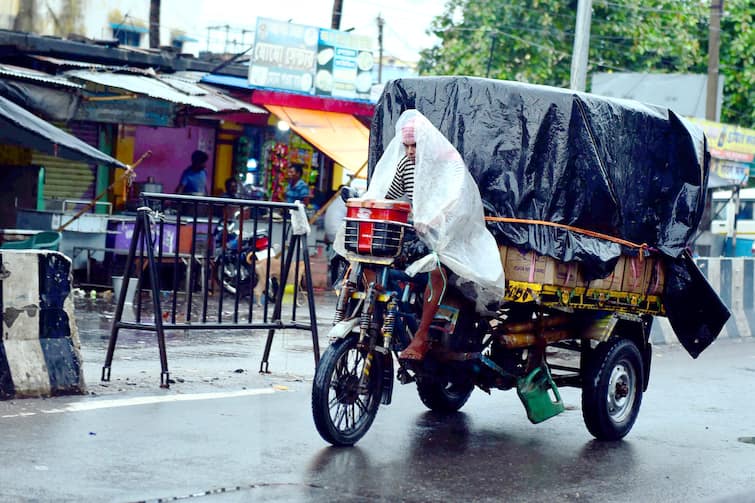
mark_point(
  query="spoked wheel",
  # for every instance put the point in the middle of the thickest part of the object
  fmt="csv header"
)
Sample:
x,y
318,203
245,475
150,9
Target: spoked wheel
x,y
612,389
444,396
343,412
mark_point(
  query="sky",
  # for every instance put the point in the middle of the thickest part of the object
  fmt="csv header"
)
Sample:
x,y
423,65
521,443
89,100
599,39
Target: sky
x,y
406,21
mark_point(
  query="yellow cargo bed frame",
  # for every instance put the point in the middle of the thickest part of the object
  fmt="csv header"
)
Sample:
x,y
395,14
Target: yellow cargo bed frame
x,y
560,297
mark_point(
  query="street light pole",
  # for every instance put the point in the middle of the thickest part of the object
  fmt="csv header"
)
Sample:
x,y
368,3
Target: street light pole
x,y
578,80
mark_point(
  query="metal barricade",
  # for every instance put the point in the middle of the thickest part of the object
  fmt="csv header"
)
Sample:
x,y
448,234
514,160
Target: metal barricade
x,y
240,248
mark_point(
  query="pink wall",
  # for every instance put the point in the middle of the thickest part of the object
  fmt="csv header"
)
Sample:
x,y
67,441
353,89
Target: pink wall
x,y
171,152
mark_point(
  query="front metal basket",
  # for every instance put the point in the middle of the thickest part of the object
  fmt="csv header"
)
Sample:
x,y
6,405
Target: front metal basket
x,y
378,238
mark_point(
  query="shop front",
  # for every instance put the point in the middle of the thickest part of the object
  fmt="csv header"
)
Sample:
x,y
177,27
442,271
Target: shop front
x,y
327,136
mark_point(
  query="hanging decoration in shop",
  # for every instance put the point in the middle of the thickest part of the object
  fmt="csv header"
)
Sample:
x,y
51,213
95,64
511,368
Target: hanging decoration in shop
x,y
278,179
279,156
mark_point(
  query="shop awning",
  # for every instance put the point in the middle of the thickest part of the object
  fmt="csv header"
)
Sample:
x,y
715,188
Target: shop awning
x,y
171,90
20,127
19,72
339,136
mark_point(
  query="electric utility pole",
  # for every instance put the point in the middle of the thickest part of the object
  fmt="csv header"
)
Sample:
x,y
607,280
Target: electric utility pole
x,y
714,39
335,20
578,80
154,24
380,23
493,40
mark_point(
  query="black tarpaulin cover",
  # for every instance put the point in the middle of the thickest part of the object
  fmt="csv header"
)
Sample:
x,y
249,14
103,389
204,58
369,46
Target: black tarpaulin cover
x,y
637,172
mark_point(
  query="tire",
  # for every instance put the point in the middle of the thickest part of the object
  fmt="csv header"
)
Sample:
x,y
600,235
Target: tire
x,y
228,279
612,387
440,396
335,396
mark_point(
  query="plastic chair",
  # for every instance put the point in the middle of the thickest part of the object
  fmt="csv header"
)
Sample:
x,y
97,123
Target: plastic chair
x,y
47,240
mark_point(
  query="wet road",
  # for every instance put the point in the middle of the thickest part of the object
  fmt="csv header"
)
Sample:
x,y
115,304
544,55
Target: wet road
x,y
230,436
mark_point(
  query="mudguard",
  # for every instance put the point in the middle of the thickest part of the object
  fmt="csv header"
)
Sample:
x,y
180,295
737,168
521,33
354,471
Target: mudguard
x,y
342,329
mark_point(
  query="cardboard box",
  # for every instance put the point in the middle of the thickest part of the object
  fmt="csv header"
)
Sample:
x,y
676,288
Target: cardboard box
x,y
613,281
567,274
503,251
630,275
657,277
644,276
528,267
635,275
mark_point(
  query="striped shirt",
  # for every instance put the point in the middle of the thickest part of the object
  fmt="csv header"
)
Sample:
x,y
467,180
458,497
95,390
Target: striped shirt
x,y
403,182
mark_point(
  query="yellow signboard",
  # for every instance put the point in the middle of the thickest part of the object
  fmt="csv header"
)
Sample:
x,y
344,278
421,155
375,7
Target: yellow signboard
x,y
728,142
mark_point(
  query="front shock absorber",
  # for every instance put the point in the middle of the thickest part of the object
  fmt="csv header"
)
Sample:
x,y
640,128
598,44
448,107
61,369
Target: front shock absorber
x,y
389,321
348,287
366,316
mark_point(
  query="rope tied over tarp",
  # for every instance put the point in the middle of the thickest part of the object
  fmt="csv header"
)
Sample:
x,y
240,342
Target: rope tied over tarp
x,y
643,248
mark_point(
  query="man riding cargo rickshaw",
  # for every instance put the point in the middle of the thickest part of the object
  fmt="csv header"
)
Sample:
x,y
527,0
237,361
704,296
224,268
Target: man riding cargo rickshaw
x,y
504,224
447,217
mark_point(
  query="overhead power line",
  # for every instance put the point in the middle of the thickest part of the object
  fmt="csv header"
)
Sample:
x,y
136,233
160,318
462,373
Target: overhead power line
x,y
659,10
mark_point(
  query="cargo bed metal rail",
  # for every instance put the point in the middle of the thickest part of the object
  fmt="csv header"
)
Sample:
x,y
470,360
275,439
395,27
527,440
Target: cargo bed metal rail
x,y
560,297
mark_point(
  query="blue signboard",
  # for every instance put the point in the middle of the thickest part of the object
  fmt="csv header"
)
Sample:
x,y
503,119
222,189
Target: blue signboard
x,y
344,65
284,56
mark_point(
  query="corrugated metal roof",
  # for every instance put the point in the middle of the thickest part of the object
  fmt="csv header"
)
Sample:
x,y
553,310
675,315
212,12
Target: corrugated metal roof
x,y
164,88
66,62
226,103
183,85
29,74
216,97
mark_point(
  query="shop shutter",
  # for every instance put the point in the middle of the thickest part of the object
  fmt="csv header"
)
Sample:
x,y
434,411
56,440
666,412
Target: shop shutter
x,y
70,179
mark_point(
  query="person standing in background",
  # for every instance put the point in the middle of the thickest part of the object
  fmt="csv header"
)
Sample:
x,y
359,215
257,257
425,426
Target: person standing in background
x,y
297,189
194,178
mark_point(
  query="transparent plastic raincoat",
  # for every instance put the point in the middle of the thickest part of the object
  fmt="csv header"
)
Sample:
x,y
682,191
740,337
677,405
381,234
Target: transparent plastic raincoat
x,y
447,211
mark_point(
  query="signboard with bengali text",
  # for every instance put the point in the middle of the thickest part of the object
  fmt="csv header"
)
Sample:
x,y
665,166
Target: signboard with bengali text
x,y
284,56
311,60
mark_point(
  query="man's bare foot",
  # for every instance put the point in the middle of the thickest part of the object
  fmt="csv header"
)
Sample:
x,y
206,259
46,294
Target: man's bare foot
x,y
416,350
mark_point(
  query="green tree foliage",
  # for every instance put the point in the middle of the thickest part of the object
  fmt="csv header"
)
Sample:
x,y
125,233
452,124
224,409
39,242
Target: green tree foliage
x,y
738,62
531,41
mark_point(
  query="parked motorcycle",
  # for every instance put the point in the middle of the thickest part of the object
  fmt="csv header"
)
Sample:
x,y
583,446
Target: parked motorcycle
x,y
375,319
234,272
